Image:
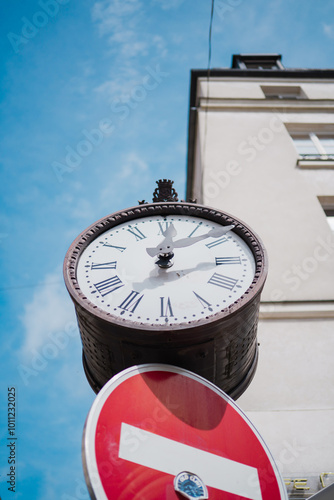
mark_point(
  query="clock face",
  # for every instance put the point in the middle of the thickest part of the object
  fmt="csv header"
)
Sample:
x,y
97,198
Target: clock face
x,y
118,270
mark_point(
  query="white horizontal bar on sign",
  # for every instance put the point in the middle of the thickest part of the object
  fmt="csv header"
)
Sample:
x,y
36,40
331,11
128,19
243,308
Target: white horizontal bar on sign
x,y
171,457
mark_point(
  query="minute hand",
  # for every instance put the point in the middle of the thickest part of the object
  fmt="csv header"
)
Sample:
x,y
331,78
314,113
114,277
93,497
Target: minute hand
x,y
213,233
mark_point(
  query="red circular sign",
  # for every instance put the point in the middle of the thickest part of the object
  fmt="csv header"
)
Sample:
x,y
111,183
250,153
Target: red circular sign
x,y
151,422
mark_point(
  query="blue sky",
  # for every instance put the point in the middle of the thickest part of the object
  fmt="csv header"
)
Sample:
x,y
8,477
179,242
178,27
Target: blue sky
x,y
94,109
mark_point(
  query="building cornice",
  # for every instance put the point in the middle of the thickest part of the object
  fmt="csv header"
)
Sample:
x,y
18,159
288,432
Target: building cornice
x,y
239,74
309,105
297,310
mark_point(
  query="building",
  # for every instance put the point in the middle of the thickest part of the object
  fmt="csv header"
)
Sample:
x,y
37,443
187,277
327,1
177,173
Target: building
x,y
261,147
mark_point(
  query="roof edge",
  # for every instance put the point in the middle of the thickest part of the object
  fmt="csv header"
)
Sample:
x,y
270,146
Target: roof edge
x,y
195,74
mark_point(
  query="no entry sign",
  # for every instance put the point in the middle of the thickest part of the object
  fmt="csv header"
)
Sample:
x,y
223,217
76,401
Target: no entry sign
x,y
160,432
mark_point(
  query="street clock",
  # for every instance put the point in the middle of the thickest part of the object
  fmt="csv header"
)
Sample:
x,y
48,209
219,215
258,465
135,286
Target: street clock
x,y
168,282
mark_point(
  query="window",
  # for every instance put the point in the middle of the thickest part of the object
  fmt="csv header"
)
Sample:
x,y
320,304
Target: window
x,y
259,65
257,61
327,204
311,146
283,92
330,220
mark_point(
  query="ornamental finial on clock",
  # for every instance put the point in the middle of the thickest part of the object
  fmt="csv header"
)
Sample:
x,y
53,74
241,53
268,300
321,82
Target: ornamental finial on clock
x,y
165,191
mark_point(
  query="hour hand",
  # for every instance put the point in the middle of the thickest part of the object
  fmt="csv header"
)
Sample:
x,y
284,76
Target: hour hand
x,y
167,245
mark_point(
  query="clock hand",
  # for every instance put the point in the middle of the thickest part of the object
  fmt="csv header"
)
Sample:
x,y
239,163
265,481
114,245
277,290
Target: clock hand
x,y
213,233
157,276
167,245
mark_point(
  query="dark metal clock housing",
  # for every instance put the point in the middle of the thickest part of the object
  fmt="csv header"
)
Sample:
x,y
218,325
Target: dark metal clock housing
x,y
221,347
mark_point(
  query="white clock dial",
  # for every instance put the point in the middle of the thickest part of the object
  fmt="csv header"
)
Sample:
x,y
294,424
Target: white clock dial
x,y
118,271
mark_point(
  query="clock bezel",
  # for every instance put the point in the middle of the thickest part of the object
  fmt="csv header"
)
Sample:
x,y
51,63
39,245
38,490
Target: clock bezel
x,y
172,209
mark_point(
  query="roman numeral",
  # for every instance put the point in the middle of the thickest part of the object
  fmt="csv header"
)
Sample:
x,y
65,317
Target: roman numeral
x,y
198,225
104,265
216,242
204,303
107,286
131,301
121,249
165,308
223,281
137,233
227,260
163,226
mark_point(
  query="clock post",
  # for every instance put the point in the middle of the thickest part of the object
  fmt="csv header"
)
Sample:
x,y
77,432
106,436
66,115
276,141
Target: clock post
x,y
168,282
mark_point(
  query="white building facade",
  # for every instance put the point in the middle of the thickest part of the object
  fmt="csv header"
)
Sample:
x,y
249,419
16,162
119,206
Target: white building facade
x,y
261,147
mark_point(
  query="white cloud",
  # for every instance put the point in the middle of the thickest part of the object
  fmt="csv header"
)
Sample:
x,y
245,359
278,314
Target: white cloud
x,y
134,48
125,25
49,311
126,28
134,172
77,206
83,209
110,13
329,30
169,4
116,19
133,167
160,45
121,83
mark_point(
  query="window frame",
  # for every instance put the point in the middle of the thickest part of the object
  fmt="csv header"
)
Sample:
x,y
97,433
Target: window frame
x,y
321,158
281,92
327,204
